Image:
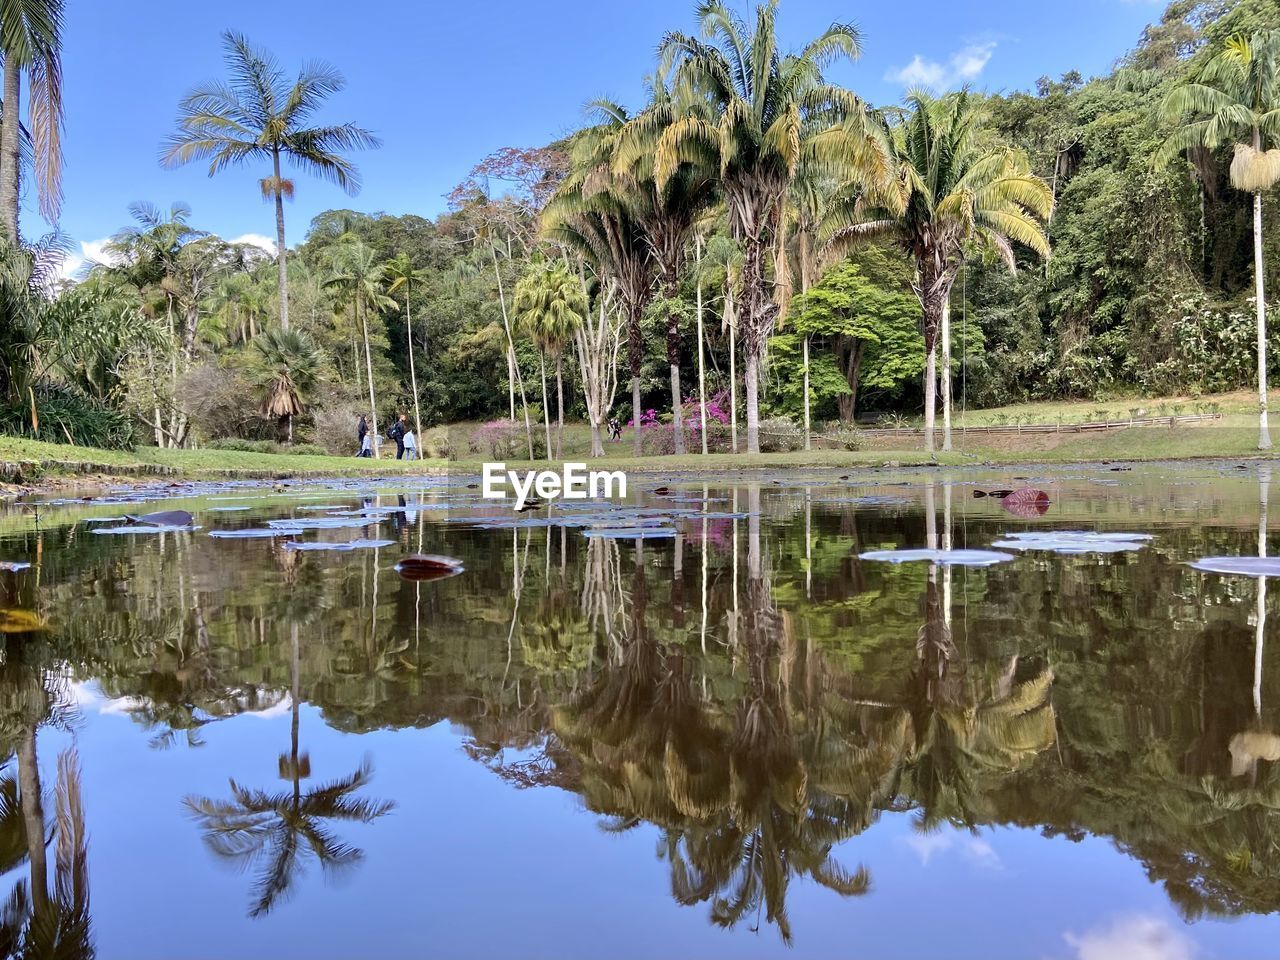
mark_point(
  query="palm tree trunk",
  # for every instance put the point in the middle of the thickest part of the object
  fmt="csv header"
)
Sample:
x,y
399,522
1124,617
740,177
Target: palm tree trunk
x,y
635,412
546,404
281,253
413,368
930,395
1264,434
702,371
733,378
10,147
753,403
807,441
33,818
946,372
560,405
673,361
368,366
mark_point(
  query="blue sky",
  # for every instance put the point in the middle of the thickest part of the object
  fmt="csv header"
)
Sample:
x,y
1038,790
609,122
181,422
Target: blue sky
x,y
443,84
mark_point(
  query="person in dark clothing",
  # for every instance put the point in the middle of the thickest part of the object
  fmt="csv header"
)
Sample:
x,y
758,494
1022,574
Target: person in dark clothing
x,y
615,429
362,431
397,433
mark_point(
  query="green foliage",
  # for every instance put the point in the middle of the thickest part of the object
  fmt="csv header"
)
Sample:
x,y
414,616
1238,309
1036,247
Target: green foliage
x,y
64,415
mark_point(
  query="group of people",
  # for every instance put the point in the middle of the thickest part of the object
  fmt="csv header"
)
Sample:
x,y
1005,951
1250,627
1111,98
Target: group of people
x,y
399,432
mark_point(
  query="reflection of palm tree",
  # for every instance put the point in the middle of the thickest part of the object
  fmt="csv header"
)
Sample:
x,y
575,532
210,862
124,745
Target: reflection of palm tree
x,y
282,830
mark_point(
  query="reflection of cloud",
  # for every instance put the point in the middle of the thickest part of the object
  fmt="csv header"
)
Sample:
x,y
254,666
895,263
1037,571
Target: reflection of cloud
x,y
275,710
966,845
1132,938
961,67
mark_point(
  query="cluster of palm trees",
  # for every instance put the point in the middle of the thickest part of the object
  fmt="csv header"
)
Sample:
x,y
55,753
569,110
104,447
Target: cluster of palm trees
x,y
740,134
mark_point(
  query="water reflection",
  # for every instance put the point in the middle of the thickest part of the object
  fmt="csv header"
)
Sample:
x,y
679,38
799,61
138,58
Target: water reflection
x,y
749,693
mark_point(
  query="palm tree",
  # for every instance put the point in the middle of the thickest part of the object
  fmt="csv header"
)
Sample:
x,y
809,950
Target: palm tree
x,y
358,274
765,114
1236,99
31,43
552,307
288,364
951,188
401,272
260,115
593,213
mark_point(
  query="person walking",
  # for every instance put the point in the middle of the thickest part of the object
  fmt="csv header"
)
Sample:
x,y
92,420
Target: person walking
x,y
362,431
397,432
410,445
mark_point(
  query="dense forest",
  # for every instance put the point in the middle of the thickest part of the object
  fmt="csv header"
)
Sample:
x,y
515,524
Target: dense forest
x,y
625,259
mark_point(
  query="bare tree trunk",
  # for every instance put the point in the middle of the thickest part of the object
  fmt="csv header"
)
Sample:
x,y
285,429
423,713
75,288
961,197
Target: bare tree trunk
x,y
546,404
559,405
946,372
281,253
1264,434
733,377
807,442
368,365
513,364
930,395
753,404
413,368
635,412
33,818
10,147
673,361
702,373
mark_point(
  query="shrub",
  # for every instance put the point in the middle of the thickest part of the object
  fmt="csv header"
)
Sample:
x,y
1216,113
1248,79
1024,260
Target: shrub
x,y
66,416
846,438
505,440
335,429
780,435
266,446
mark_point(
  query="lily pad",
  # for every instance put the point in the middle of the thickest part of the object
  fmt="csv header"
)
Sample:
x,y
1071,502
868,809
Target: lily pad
x,y
251,533
13,566
631,533
1241,566
1074,541
164,518
144,528
428,566
958,558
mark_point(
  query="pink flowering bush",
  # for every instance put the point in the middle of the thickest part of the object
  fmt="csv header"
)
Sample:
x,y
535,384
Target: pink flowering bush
x,y
505,440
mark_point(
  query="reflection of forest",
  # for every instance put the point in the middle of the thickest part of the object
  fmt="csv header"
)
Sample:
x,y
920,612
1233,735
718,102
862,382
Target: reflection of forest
x,y
752,689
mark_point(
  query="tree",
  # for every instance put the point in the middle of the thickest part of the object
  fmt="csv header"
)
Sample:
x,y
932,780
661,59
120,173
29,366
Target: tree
x,y
357,274
952,187
259,115
764,114
1236,99
552,307
31,43
287,365
401,272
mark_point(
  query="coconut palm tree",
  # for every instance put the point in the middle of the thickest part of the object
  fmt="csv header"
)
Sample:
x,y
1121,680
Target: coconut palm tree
x,y
551,306
31,44
260,115
401,272
288,363
358,275
1235,99
951,187
766,112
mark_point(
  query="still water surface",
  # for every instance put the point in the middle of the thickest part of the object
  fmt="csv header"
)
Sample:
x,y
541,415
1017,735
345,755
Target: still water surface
x,y
731,737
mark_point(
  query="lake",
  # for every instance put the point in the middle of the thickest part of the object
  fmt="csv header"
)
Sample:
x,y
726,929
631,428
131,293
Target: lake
x,y
694,723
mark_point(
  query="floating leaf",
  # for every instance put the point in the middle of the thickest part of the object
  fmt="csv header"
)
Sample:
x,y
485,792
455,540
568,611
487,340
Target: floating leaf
x,y
960,558
16,620
1074,541
163,518
1242,566
428,566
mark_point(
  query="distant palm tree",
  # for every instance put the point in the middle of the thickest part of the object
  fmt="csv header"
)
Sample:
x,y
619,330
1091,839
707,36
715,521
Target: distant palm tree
x,y
260,115
1236,99
31,43
288,363
401,272
951,187
551,307
766,113
358,274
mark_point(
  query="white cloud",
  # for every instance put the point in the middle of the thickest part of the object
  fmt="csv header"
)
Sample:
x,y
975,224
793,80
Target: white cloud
x,y
963,66
91,252
257,240
1132,938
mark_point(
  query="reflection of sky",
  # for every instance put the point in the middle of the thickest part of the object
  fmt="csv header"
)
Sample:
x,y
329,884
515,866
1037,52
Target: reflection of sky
x,y
467,866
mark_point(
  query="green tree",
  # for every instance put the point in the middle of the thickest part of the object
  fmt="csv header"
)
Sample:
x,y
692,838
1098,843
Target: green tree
x,y
1236,99
952,187
259,115
31,43
551,306
287,364
765,114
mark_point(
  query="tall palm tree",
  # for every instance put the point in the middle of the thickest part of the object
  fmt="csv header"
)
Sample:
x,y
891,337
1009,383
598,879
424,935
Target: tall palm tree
x,y
259,115
31,43
358,274
593,213
951,187
288,364
551,306
401,272
1236,99
765,113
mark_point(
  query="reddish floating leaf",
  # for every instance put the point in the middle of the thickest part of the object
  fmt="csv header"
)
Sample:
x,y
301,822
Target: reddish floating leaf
x,y
1026,502
428,566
